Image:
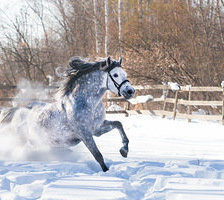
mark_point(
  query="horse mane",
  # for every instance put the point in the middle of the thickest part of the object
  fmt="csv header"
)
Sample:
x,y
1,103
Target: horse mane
x,y
77,68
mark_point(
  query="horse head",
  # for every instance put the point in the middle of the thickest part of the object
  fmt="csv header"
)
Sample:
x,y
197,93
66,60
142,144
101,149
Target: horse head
x,y
117,79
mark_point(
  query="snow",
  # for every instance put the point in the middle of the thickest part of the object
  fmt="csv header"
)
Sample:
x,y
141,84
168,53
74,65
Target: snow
x,y
114,107
172,160
222,84
174,86
188,87
141,99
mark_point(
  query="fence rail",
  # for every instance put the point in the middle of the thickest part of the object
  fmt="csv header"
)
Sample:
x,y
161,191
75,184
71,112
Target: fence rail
x,y
175,101
178,101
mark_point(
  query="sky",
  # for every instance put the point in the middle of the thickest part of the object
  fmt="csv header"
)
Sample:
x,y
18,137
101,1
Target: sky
x,y
10,7
8,10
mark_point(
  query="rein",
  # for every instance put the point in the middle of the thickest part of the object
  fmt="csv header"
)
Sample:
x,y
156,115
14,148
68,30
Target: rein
x,y
117,85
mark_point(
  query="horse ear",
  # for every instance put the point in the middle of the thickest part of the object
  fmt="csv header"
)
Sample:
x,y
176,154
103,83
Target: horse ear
x,y
103,65
121,60
108,62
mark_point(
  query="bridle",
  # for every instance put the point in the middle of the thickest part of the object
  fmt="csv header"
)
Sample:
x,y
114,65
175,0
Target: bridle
x,y
116,84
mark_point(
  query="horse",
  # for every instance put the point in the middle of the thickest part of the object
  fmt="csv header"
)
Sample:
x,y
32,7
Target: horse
x,y
78,113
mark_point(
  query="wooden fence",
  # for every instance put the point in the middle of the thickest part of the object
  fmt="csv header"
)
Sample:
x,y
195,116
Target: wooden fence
x,y
175,101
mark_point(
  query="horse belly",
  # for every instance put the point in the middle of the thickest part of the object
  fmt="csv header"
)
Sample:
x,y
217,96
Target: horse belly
x,y
56,127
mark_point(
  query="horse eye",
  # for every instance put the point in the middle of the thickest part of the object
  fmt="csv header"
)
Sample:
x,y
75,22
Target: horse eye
x,y
115,75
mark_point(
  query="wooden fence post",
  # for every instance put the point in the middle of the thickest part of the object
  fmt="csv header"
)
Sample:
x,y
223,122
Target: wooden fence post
x,y
189,99
223,107
128,108
175,105
222,84
129,105
165,104
165,95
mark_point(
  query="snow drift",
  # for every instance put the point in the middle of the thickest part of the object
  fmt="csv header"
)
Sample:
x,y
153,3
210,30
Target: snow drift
x,y
172,160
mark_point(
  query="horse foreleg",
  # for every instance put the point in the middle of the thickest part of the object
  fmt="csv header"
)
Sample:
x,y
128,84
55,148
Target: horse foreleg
x,y
91,145
110,125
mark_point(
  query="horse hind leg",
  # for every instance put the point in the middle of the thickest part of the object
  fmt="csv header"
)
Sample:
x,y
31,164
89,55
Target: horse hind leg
x,y
110,125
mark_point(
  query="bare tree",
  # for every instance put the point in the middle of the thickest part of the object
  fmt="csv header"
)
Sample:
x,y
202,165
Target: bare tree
x,y
96,27
106,26
218,7
119,26
162,40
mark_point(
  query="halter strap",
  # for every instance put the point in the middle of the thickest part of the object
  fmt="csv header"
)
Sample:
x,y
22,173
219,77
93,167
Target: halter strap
x,y
117,85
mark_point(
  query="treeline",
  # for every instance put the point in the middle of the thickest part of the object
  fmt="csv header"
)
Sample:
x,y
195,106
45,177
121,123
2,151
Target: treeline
x,y
160,40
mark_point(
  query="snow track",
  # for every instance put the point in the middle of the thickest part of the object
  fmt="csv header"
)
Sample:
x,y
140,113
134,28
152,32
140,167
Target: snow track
x,y
173,160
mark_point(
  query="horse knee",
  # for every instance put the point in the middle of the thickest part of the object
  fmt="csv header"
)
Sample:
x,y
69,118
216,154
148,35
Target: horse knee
x,y
118,124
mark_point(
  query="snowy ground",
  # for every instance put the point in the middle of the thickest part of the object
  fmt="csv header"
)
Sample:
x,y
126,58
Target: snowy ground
x,y
173,160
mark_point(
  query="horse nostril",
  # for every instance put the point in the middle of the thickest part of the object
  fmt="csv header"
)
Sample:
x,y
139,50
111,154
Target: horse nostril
x,y
130,92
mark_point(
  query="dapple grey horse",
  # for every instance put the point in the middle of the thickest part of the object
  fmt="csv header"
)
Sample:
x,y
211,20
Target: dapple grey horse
x,y
78,113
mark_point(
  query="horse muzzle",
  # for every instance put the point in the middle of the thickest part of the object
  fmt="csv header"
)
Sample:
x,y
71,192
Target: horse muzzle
x,y
128,92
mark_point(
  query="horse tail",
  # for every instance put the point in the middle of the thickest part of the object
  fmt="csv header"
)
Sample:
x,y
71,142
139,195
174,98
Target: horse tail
x,y
6,116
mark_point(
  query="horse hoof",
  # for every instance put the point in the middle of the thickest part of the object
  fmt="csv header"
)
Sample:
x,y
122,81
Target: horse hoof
x,y
124,152
105,169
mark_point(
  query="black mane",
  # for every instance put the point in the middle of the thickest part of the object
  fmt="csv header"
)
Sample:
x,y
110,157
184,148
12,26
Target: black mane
x,y
77,68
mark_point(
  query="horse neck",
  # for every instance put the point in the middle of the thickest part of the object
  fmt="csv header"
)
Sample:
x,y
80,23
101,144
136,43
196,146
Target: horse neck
x,y
91,86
